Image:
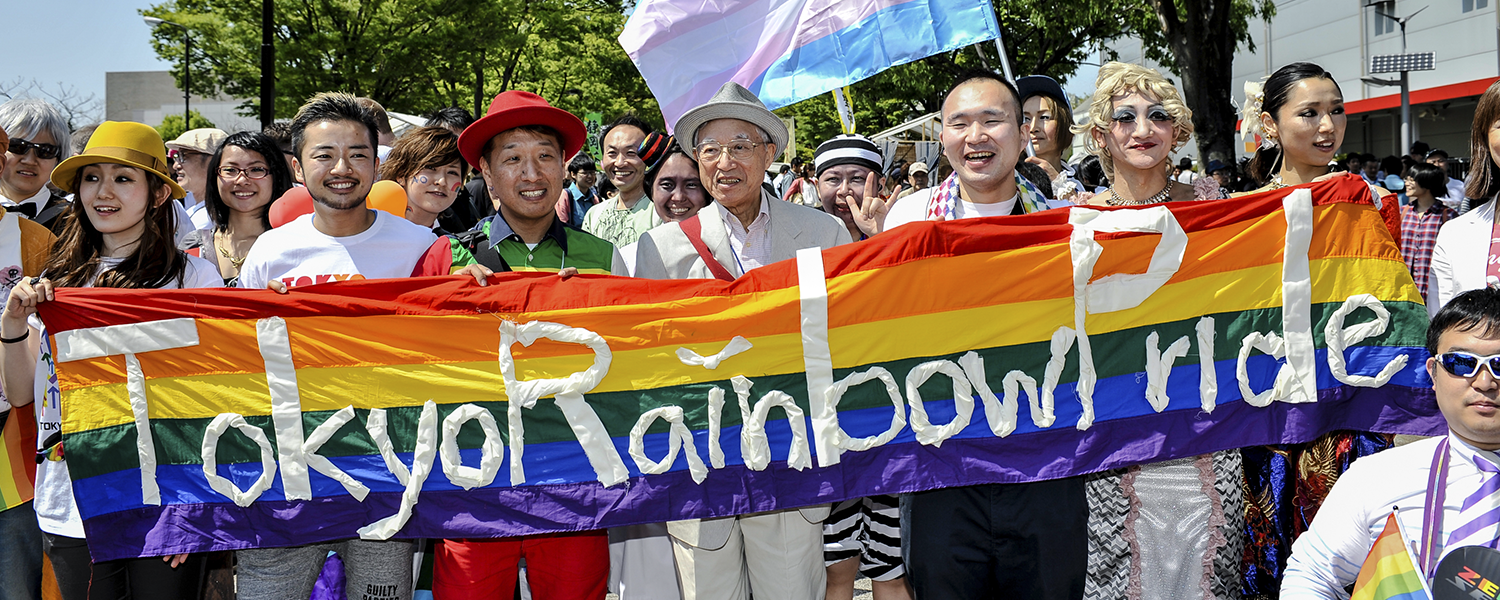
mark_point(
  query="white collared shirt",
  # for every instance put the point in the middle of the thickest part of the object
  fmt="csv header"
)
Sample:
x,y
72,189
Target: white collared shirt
x,y
1328,556
751,246
197,211
39,200
1459,256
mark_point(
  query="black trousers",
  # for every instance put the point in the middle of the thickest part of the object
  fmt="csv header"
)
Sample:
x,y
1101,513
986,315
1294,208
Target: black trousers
x,y
79,578
1013,541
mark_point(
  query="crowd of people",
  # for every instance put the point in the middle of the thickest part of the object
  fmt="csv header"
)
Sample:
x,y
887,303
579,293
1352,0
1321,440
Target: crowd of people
x,y
114,205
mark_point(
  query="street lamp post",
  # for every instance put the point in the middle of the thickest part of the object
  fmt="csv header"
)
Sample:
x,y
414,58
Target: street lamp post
x,y
267,64
187,72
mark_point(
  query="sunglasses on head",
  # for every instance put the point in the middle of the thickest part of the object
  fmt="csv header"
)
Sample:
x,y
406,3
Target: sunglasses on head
x,y
20,147
1463,364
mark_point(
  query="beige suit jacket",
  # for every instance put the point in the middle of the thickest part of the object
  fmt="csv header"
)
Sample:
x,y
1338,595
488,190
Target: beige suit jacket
x,y
665,253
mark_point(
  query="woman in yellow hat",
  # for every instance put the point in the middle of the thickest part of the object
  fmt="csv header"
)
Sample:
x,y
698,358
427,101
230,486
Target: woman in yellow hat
x,y
119,232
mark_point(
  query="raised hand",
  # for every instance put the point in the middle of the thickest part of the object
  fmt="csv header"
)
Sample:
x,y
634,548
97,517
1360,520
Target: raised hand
x,y
869,216
22,303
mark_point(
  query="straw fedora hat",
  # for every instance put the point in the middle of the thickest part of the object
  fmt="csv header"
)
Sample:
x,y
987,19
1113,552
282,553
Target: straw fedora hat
x,y
732,101
119,142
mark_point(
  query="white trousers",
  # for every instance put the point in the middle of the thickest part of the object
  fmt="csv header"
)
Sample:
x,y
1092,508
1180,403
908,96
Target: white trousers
x,y
778,554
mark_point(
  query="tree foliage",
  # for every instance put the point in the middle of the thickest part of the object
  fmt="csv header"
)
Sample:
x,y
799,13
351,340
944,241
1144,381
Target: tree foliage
x,y
411,55
171,124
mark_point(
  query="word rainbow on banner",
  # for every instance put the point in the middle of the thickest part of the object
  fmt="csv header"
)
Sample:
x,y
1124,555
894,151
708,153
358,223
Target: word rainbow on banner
x,y
935,355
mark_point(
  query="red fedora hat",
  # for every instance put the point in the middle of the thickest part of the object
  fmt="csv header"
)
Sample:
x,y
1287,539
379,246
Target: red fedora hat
x,y
513,109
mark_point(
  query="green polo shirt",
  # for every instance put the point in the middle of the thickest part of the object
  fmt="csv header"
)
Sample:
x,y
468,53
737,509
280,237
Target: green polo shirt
x,y
562,246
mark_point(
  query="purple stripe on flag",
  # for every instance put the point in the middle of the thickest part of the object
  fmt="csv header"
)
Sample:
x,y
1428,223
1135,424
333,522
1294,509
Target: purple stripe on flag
x,y
506,511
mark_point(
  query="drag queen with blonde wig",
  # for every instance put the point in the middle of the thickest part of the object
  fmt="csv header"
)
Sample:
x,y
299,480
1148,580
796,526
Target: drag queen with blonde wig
x,y
1136,121
1167,529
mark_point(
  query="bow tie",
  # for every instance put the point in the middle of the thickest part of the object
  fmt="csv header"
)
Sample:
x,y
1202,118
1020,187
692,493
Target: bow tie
x,y
26,209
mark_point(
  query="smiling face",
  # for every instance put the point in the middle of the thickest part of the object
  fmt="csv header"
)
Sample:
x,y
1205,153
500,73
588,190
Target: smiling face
x,y
432,190
1310,126
734,182
338,164
841,188
1141,133
116,198
242,194
1471,405
622,165
524,170
677,192
981,134
25,174
191,171
1040,125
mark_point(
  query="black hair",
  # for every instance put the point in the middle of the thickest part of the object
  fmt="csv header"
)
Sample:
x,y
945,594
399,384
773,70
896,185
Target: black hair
x,y
1037,176
1277,90
1392,166
582,162
1472,310
625,119
281,176
449,117
332,106
281,132
655,171
1185,164
1091,173
988,75
1430,177
1419,147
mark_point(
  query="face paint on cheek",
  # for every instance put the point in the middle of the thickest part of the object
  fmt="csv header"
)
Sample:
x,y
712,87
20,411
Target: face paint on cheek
x,y
422,179
453,189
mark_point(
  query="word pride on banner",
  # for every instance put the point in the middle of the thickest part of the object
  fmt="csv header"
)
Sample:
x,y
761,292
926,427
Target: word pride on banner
x,y
977,351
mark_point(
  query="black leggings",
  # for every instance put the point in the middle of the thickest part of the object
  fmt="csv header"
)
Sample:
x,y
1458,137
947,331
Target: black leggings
x,y
79,578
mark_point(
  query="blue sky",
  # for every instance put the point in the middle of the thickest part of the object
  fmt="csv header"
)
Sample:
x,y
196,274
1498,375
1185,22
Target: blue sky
x,y
76,42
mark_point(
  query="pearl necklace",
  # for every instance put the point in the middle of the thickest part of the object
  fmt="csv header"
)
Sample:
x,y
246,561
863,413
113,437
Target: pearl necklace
x,y
1115,200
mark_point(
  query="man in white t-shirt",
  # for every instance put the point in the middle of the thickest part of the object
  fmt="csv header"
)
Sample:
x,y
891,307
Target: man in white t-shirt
x,y
1027,540
335,142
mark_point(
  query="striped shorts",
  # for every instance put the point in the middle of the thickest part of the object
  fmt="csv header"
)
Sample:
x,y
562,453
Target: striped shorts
x,y
869,528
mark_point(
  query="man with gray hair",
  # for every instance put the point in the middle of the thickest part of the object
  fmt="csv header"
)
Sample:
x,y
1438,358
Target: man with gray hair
x,y
38,141
776,554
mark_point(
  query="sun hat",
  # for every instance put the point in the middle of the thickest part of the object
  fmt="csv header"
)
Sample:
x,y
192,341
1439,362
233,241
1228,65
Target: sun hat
x,y
516,108
847,149
130,144
918,167
206,140
732,101
1041,85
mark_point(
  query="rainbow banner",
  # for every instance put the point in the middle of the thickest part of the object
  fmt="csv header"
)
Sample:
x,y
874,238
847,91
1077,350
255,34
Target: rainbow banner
x,y
1389,573
988,350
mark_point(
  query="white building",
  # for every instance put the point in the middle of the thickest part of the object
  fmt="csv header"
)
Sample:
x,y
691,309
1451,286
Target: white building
x,y
1342,35
148,96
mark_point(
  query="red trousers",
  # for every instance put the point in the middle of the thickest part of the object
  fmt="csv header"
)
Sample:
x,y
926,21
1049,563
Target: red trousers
x,y
560,566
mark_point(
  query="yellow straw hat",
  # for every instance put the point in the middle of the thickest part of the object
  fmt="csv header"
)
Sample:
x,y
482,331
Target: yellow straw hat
x,y
119,142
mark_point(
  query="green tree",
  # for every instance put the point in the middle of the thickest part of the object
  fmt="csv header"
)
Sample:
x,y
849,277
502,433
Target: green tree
x,y
1196,40
171,125
411,55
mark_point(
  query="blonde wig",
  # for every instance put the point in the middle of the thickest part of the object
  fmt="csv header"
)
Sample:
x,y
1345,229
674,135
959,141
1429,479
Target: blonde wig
x,y
1118,79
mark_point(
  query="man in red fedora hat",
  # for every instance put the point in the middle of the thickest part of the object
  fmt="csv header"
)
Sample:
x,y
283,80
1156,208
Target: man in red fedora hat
x,y
522,146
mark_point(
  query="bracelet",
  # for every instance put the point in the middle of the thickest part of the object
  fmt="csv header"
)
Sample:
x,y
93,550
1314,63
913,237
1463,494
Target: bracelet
x,y
17,339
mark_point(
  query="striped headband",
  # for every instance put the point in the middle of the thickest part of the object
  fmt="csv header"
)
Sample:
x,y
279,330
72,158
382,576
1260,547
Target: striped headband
x,y
847,149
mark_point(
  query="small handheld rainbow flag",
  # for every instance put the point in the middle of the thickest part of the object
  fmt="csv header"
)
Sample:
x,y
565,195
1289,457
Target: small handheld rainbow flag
x,y
1389,573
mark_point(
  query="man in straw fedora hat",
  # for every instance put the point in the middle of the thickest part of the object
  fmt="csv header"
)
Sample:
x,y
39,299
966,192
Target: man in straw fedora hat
x,y
777,554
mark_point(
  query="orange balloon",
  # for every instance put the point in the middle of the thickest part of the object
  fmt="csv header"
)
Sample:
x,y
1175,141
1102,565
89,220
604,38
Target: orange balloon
x,y
294,203
388,196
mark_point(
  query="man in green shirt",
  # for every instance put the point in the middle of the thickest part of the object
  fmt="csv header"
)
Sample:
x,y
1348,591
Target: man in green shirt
x,y
522,147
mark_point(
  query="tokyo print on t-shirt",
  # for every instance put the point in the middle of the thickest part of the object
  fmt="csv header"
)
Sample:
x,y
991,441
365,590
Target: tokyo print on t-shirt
x,y
297,254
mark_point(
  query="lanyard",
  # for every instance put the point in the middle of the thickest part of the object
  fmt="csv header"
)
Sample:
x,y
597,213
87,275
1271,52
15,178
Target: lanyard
x,y
1432,508
1492,265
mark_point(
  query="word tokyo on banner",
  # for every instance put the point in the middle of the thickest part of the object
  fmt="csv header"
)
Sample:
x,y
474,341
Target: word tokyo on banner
x,y
946,354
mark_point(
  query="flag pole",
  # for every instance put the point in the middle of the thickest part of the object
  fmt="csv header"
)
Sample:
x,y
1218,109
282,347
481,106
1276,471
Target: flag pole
x,y
1011,76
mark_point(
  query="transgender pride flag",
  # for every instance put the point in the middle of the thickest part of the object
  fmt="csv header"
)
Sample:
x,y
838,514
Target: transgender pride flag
x,y
789,50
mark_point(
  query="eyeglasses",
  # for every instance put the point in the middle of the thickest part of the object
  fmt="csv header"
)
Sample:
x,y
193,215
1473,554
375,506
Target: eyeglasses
x,y
1464,364
20,147
739,150
231,173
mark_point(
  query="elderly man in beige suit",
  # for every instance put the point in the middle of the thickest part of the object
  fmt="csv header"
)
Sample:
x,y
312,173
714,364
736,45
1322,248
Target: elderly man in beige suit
x,y
777,554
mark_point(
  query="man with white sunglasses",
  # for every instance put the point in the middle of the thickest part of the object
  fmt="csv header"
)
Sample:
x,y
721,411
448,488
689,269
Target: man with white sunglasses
x,y
1445,490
